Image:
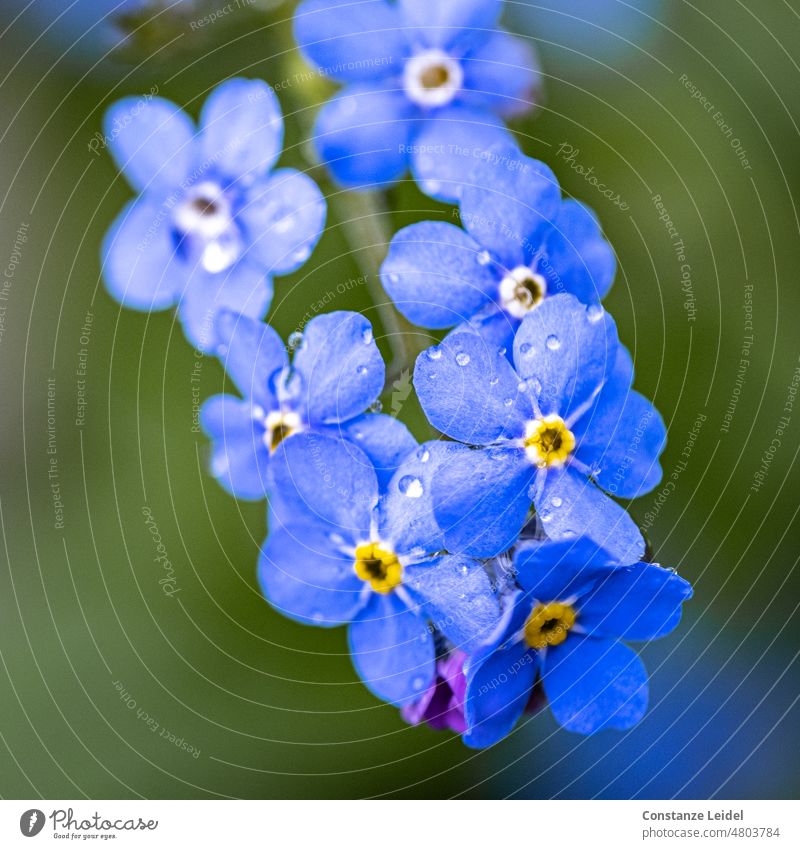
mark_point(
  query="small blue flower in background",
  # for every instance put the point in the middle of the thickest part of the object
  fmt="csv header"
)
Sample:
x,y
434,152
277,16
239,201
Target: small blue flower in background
x,y
336,374
556,428
564,628
212,225
339,551
521,244
426,84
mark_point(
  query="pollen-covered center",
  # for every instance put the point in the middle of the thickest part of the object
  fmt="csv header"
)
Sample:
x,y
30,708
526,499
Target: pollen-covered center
x,y
378,566
278,426
204,222
522,290
548,441
432,78
549,624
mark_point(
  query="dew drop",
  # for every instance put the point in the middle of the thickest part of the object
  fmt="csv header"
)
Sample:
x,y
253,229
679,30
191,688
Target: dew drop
x,y
594,312
410,486
375,407
508,402
295,340
434,353
501,352
545,515
362,371
553,343
366,335
556,501
525,349
484,258
394,278
522,386
494,381
423,455
462,358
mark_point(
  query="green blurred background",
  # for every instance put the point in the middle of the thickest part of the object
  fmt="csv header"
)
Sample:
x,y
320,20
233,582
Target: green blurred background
x,y
247,704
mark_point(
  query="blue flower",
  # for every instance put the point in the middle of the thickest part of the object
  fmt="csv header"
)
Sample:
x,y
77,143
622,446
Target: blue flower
x,y
556,428
426,84
341,552
336,374
521,244
564,629
213,223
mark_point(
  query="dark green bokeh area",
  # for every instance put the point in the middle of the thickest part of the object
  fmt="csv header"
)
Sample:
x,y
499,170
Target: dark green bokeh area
x,y
109,687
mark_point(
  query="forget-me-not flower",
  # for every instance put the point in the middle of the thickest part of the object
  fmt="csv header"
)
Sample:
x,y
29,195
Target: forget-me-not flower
x,y
426,84
565,628
520,244
559,428
342,549
337,373
213,222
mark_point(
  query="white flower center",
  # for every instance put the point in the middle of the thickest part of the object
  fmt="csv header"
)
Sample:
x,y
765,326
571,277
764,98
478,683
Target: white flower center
x,y
521,290
279,425
205,219
432,78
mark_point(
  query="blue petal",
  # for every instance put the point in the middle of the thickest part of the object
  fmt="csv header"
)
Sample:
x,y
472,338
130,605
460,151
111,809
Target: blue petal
x,y
141,268
434,275
550,570
581,262
470,391
507,201
392,650
492,324
569,505
318,478
341,365
240,458
384,439
594,683
455,594
305,577
502,75
440,164
152,142
641,603
284,217
407,519
569,350
363,134
243,289
623,442
241,129
250,352
481,499
499,680
449,23
350,41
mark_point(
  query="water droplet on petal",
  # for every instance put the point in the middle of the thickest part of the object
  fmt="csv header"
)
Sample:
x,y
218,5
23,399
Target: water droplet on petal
x,y
410,486
423,455
434,353
594,312
525,349
522,386
508,402
394,278
375,407
553,343
545,515
362,371
484,258
556,501
494,381
501,352
366,335
464,570
462,358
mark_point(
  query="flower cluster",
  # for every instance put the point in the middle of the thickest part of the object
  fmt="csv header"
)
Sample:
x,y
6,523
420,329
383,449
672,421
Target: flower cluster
x,y
482,574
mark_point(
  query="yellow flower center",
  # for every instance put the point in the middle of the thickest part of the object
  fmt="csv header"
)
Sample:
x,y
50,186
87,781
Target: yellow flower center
x,y
278,427
379,567
549,624
548,441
